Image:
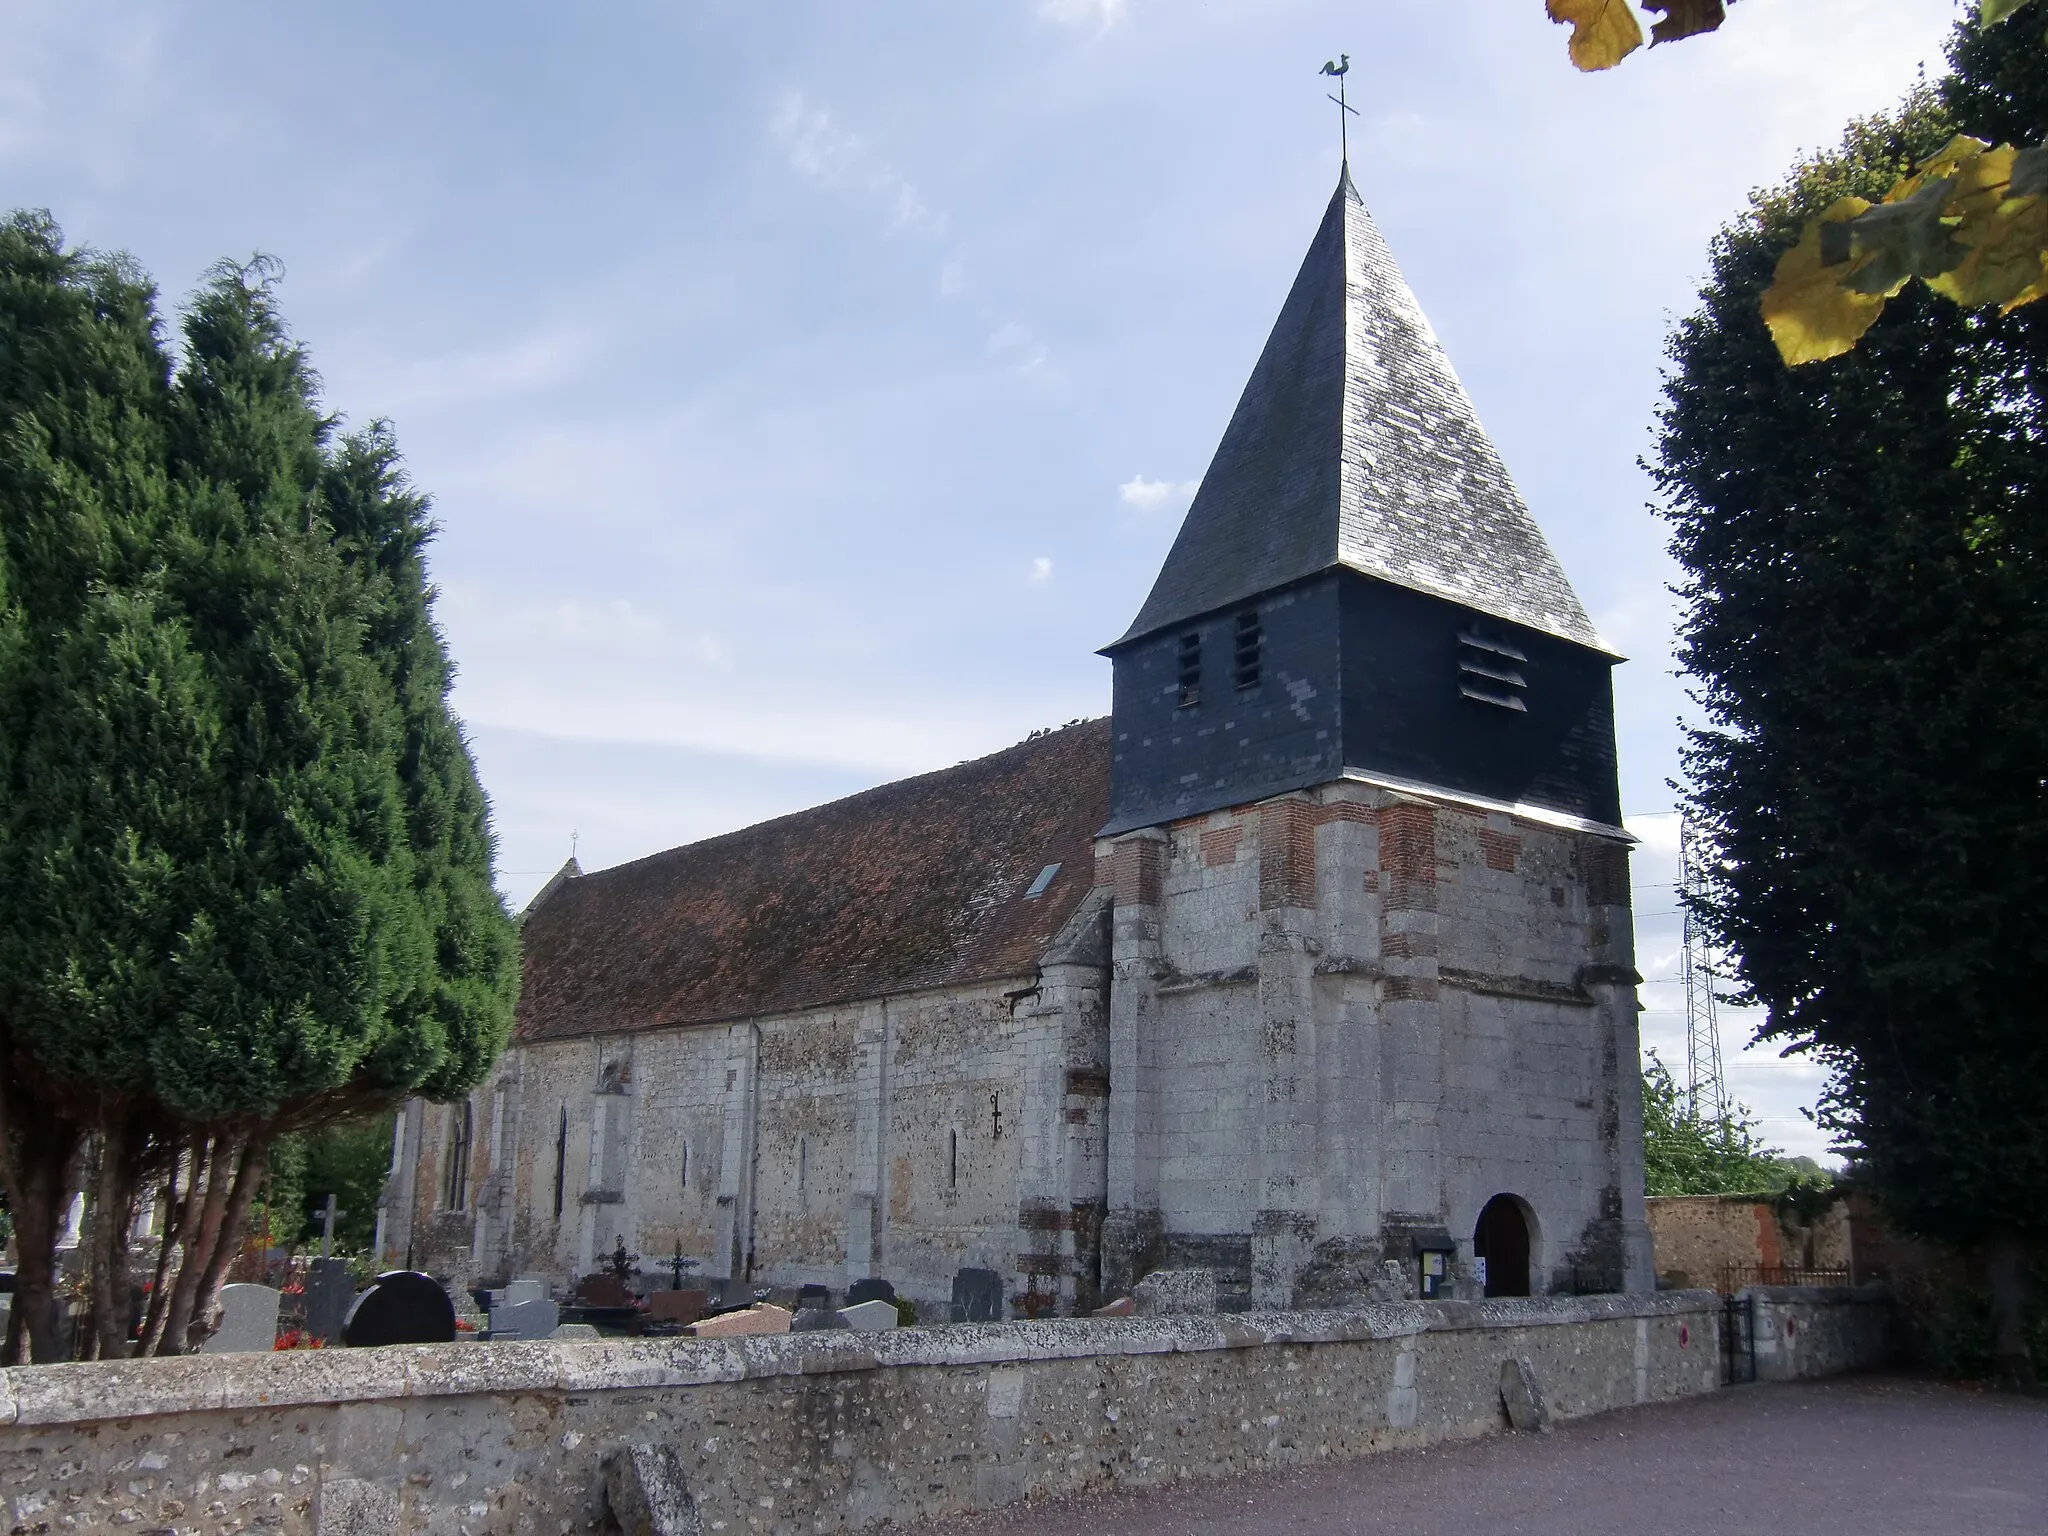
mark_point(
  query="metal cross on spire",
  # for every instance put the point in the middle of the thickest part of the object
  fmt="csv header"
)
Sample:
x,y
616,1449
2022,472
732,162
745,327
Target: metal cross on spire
x,y
1338,68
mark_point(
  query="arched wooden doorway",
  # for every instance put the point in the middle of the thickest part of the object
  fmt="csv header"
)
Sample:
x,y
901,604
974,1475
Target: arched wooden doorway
x,y
1502,1239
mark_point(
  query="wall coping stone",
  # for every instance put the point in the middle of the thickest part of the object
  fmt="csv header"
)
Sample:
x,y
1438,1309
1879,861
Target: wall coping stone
x,y
119,1390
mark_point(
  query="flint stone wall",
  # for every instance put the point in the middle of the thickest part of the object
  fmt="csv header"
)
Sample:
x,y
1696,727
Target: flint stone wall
x,y
1804,1331
811,1432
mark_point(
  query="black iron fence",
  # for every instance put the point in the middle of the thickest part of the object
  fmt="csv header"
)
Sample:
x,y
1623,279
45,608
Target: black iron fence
x,y
1735,1276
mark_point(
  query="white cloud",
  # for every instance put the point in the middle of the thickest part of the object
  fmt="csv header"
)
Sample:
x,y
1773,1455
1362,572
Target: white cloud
x,y
952,279
1099,14
1152,495
849,165
1041,568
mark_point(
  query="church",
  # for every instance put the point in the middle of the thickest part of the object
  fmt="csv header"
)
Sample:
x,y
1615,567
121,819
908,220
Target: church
x,y
1311,966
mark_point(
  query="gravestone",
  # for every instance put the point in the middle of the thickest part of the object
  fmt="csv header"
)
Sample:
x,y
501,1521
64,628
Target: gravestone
x,y
817,1296
526,1320
402,1307
978,1296
523,1290
676,1306
874,1288
815,1320
248,1321
330,1292
605,1291
573,1332
1522,1397
762,1317
647,1492
870,1316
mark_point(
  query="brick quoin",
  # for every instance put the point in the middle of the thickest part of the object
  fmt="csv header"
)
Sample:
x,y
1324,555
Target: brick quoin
x,y
1219,845
1408,857
1501,849
1287,854
1139,864
1606,867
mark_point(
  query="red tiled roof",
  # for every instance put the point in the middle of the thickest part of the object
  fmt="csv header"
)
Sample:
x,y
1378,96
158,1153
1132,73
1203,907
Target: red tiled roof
x,y
916,884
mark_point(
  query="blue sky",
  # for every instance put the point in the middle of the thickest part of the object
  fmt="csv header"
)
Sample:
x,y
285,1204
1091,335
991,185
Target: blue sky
x,y
806,390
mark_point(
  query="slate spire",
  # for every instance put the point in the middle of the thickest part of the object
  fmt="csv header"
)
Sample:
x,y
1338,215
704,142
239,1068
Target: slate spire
x,y
1355,445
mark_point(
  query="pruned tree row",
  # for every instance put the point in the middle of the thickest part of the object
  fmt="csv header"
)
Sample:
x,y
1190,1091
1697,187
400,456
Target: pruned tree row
x,y
246,856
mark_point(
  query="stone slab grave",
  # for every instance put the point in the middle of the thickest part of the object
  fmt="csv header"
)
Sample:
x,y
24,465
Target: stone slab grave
x,y
526,1320
762,1317
977,1296
525,1289
874,1288
1175,1293
248,1321
677,1306
815,1320
1522,1397
330,1292
870,1316
401,1307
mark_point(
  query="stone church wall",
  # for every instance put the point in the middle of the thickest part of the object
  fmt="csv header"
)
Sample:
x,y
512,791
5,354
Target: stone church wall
x,y
907,1137
1343,1020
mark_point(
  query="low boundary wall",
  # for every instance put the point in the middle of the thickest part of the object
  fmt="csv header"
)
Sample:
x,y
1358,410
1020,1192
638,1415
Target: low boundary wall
x,y
807,1432
1805,1331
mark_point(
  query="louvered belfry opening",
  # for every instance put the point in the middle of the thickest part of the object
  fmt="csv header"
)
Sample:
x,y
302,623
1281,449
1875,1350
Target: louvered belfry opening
x,y
1375,595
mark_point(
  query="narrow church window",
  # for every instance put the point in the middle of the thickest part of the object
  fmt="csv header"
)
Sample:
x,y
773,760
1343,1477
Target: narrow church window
x,y
952,1159
456,1191
683,1177
561,1160
1251,644
803,1168
1190,692
995,1113
1489,669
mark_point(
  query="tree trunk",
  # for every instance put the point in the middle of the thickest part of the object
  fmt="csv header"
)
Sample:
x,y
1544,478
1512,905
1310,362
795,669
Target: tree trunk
x,y
38,1209
123,1145
227,1239
176,1209
2006,1261
37,1145
204,1225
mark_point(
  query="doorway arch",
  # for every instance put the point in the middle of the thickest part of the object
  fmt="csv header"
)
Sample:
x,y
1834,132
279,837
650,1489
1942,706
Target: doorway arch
x,y
1502,1239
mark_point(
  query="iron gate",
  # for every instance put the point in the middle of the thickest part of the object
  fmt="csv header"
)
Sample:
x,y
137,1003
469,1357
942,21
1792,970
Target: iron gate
x,y
1738,1340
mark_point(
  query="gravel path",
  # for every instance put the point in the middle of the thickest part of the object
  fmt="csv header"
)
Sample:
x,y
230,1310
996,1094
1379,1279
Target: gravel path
x,y
1869,1456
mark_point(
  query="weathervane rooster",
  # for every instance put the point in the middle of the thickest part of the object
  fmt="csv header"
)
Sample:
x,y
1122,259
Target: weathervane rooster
x,y
1337,69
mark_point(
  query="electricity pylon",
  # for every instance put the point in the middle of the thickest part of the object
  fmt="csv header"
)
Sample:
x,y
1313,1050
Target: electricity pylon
x,y
1705,1084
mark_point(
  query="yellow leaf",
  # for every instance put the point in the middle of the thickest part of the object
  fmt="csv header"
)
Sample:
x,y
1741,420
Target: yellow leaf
x,y
1604,32
2005,238
1811,315
1996,11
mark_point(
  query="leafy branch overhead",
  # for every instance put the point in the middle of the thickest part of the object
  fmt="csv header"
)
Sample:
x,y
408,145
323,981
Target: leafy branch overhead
x,y
1971,222
1604,32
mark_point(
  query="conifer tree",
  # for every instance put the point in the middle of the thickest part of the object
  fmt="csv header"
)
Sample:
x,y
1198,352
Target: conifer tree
x,y
247,856
1866,549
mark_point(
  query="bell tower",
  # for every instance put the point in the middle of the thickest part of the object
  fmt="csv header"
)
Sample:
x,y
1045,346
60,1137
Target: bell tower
x,y
1374,947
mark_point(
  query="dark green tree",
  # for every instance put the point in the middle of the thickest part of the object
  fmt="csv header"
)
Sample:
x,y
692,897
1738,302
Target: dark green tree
x,y
247,857
351,1161
1863,542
